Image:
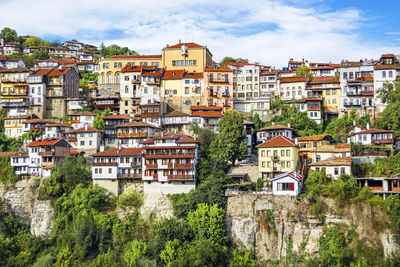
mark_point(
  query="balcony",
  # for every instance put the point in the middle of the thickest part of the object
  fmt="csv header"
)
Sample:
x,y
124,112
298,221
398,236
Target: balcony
x,y
167,156
367,93
74,121
135,164
14,104
153,82
130,176
153,166
353,93
6,80
132,135
60,83
213,80
313,108
72,139
54,94
150,114
351,104
184,166
114,164
155,176
135,81
180,177
104,106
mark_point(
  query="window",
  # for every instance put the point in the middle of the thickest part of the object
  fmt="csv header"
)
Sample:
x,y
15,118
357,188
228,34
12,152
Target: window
x,y
383,74
90,142
96,170
100,170
268,153
317,169
342,170
82,143
282,153
263,164
109,170
262,153
288,153
285,186
336,171
269,164
288,164
390,74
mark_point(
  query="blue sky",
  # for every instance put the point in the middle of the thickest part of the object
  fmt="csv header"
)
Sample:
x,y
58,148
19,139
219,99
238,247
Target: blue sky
x,y
266,31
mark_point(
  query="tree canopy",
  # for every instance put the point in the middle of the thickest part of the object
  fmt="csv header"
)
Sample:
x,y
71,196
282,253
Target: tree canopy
x,y
9,35
390,118
231,59
230,143
113,50
304,70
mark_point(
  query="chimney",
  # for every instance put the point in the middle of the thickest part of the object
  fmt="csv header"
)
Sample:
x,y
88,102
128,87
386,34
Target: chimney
x,y
288,125
368,126
296,141
86,127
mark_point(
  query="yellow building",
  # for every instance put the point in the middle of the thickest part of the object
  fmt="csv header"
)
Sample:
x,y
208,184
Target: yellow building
x,y
189,56
110,69
180,89
14,91
328,88
14,126
277,155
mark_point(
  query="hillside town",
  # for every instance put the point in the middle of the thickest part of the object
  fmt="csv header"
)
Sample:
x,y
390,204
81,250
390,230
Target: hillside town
x,y
135,121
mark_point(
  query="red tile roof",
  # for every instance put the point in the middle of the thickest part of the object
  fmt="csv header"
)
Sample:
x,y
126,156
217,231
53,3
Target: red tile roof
x,y
13,154
275,127
207,114
58,72
334,148
345,161
173,74
372,131
135,57
193,75
219,69
386,67
40,72
14,70
83,130
313,138
130,68
176,113
153,73
115,152
238,64
117,117
190,45
45,142
197,108
294,79
135,124
278,141
323,80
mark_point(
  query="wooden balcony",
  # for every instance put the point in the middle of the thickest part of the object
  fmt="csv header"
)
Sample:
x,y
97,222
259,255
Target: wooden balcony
x,y
150,114
180,177
130,176
184,166
170,156
72,139
136,164
133,135
155,176
152,166
104,164
47,153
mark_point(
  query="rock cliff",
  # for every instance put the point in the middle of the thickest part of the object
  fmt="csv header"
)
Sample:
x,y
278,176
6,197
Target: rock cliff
x,y
26,207
269,225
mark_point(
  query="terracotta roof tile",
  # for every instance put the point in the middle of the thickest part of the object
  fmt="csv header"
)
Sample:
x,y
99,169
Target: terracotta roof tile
x,y
190,45
135,124
193,75
13,154
117,117
84,113
176,113
58,72
207,114
323,80
45,142
173,74
313,138
40,72
334,148
83,130
294,79
278,141
135,57
345,161
197,108
219,69
275,127
131,68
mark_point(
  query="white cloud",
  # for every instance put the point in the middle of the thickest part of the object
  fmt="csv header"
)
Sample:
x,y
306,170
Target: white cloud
x,y
228,28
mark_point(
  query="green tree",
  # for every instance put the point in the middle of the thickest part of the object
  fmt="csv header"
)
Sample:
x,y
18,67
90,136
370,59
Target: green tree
x,y
201,253
98,122
242,259
392,208
7,175
134,250
208,222
334,248
32,41
230,143
64,179
258,123
9,35
42,55
231,59
304,70
112,50
170,253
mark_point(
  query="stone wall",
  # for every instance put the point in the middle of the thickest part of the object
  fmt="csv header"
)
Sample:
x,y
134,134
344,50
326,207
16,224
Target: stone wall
x,y
247,224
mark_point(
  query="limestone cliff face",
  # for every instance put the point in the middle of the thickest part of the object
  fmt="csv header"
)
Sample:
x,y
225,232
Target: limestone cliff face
x,y
156,206
267,224
27,209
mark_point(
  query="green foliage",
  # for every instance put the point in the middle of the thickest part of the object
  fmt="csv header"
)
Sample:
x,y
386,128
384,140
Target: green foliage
x,y
303,70
208,222
170,253
258,123
86,77
333,248
113,50
230,143
242,259
35,41
383,167
98,122
105,260
201,253
231,59
130,199
299,121
9,35
259,184
390,118
42,55
392,208
64,179
270,220
133,251
211,191
7,175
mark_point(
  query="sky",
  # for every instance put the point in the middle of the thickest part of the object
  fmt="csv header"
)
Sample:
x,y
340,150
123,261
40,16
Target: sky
x,y
269,32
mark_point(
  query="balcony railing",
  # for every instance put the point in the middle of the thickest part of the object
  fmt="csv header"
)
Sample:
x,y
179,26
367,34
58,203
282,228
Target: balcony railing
x,y
135,81
130,175
136,164
180,177
104,164
134,135
151,166
150,114
184,166
46,153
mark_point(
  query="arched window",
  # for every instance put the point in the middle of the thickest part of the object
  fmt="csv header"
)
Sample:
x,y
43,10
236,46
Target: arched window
x,y
117,77
109,77
103,80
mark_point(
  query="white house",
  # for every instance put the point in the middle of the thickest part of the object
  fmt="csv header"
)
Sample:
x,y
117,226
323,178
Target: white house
x,y
269,132
79,120
367,136
333,167
288,184
88,139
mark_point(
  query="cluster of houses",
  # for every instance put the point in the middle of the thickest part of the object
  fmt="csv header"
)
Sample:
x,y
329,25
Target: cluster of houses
x,y
154,99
